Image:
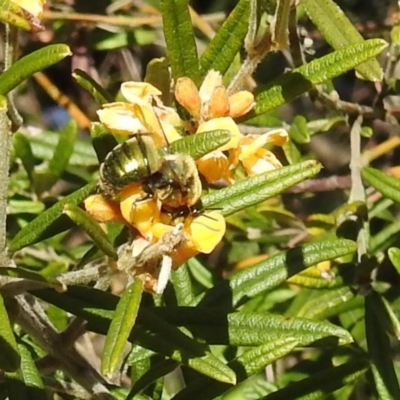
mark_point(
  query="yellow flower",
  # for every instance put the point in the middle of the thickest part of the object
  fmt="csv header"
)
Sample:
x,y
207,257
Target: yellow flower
x,y
34,7
213,109
212,100
215,166
139,210
254,157
140,115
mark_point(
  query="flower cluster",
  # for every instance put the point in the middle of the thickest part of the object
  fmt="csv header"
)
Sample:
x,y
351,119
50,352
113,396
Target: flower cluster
x,y
211,108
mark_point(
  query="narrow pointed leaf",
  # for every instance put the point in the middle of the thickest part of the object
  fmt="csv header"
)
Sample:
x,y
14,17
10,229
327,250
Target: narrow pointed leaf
x,y
11,13
24,152
221,51
257,189
59,162
320,384
247,364
64,149
10,357
50,222
217,326
31,375
33,62
92,228
388,185
154,333
339,32
326,304
158,75
43,147
102,140
88,83
120,328
310,280
280,25
179,37
379,349
156,372
200,144
302,79
182,285
270,273
394,256
32,276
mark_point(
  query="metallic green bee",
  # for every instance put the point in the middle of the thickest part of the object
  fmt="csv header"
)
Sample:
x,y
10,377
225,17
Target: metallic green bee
x,y
173,178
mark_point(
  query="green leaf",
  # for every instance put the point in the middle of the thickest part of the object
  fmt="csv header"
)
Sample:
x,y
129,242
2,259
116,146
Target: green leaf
x,y
221,51
152,332
388,185
280,25
33,62
339,32
43,147
117,235
46,179
328,304
179,37
157,371
50,222
31,375
270,273
92,228
320,384
102,140
88,83
379,349
299,131
16,206
247,364
182,283
24,152
11,13
120,328
394,256
158,75
257,189
219,327
201,143
27,274
302,79
10,358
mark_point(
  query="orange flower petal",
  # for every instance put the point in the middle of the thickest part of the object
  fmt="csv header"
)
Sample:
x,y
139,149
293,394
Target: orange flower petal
x,y
218,105
187,95
102,209
212,80
241,103
214,167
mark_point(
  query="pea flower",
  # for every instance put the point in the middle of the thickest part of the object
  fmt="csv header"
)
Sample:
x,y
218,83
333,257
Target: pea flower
x,y
213,109
164,241
139,115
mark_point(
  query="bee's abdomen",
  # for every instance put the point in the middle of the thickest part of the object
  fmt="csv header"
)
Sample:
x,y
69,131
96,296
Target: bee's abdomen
x,y
129,162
